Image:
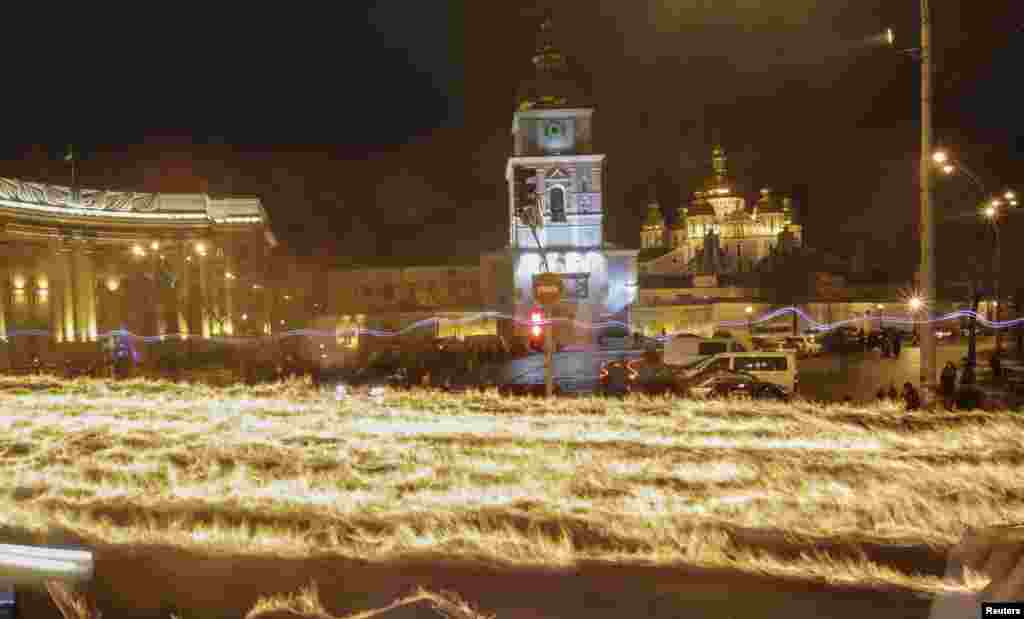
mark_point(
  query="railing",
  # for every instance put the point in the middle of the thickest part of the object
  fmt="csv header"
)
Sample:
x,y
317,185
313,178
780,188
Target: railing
x,y
35,565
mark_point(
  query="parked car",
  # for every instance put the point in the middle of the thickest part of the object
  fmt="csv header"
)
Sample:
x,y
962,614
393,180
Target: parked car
x,y
617,377
649,376
779,368
377,376
803,345
533,389
724,384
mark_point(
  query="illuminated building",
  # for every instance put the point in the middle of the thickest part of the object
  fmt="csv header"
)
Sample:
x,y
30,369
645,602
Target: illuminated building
x,y
717,232
74,265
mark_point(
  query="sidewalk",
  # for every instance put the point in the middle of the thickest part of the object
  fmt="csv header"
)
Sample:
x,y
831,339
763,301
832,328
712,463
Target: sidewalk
x,y
1008,390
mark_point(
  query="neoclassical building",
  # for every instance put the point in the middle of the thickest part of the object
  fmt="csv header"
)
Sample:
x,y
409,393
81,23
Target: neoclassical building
x,y
76,264
717,232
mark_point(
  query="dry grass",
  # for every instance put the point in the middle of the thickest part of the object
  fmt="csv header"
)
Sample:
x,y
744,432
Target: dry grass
x,y
306,604
286,470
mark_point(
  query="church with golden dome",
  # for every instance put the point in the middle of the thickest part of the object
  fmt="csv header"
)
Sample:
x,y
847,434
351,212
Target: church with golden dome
x,y
718,231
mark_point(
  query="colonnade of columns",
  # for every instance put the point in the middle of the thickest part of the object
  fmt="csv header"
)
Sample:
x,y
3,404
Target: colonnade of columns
x,y
64,290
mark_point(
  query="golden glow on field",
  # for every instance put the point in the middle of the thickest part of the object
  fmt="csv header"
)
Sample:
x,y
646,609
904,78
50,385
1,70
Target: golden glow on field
x,y
509,480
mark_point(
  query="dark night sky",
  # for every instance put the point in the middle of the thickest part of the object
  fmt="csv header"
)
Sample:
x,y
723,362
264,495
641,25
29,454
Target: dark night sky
x,y
384,131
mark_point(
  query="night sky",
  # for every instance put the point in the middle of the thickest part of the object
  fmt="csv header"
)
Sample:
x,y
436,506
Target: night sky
x,y
381,133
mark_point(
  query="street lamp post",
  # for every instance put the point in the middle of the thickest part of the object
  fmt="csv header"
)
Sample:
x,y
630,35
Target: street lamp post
x,y
750,324
881,324
927,271
916,304
927,338
992,213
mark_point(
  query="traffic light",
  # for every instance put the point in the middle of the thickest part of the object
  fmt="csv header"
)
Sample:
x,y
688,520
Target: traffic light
x,y
536,330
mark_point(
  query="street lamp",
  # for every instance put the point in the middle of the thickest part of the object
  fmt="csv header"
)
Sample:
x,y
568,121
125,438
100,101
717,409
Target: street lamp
x,y
927,283
881,325
915,306
750,325
992,214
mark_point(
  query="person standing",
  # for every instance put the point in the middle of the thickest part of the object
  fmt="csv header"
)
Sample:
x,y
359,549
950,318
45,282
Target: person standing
x,y
948,381
911,397
896,344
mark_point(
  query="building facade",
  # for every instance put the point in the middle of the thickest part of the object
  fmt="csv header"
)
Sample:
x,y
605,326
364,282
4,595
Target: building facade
x,y
75,265
717,232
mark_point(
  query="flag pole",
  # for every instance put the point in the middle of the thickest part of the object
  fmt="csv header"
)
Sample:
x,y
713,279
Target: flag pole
x,y
74,171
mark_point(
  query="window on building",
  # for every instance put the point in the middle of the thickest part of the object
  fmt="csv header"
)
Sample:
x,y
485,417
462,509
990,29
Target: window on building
x,y
557,200
719,364
761,364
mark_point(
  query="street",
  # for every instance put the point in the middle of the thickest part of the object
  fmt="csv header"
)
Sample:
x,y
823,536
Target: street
x,y
821,378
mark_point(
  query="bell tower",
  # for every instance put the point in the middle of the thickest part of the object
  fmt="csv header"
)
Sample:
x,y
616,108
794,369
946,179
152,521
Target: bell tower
x,y
553,161
556,208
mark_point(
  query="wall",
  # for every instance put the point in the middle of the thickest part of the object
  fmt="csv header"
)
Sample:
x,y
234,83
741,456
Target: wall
x,y
394,289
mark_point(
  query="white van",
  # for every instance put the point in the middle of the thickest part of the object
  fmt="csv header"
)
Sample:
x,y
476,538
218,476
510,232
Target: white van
x,y
779,368
686,349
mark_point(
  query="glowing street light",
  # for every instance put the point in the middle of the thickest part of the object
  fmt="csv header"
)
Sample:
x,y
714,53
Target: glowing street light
x,y
750,325
915,303
940,157
990,211
949,168
1009,195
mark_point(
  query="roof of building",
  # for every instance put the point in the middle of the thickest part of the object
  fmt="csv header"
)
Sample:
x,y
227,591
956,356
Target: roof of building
x,y
654,216
652,253
770,202
665,281
552,85
699,206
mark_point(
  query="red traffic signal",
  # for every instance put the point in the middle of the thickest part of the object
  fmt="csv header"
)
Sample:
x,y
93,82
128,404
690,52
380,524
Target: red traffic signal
x,y
536,330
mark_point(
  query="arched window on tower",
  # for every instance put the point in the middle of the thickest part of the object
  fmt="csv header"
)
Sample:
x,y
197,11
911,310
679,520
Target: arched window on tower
x,y
557,198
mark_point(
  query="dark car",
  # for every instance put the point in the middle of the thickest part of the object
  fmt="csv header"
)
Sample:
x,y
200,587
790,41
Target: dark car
x,y
724,384
534,389
377,376
647,376
616,377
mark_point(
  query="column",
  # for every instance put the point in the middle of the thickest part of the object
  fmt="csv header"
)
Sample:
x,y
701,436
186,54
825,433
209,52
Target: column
x,y
66,268
4,288
159,314
85,287
54,297
230,277
182,288
204,292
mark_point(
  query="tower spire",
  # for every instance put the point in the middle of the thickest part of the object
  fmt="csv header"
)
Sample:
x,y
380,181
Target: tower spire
x,y
719,161
551,85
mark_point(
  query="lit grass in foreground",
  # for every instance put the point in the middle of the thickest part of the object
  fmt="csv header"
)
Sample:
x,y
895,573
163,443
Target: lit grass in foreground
x,y
286,470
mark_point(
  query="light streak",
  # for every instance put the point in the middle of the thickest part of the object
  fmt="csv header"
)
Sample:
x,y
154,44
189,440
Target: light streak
x,y
782,313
